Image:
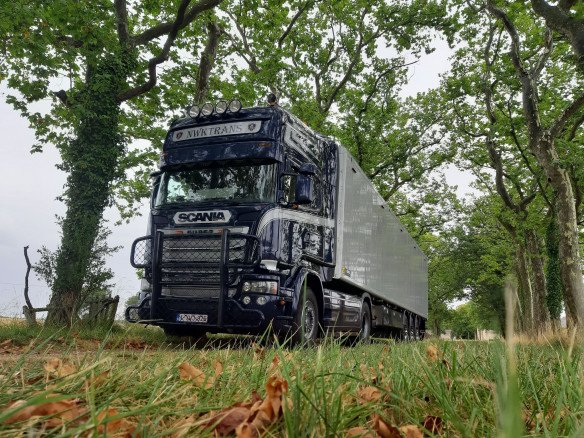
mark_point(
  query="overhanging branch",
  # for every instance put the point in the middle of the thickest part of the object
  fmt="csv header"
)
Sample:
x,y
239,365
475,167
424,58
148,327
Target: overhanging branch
x,y
165,28
182,19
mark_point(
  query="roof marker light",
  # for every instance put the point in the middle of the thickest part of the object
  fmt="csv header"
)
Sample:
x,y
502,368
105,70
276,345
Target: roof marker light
x,y
221,107
234,106
194,111
207,109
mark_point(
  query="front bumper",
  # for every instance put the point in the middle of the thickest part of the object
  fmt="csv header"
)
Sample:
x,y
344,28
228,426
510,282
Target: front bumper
x,y
252,318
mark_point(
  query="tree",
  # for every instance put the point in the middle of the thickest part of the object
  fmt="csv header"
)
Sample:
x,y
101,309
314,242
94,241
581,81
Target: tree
x,y
484,113
109,56
542,143
98,280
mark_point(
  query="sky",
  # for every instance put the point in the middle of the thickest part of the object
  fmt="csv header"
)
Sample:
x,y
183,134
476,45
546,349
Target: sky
x,y
31,184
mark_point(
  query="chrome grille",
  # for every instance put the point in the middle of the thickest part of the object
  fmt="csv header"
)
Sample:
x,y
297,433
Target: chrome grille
x,y
207,250
192,291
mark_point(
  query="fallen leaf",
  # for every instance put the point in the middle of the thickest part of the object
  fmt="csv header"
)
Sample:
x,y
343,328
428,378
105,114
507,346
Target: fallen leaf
x,y
120,427
274,365
359,431
368,373
7,346
258,352
250,419
433,424
218,366
97,381
198,377
181,428
246,430
383,429
59,368
225,422
432,352
368,394
134,344
52,365
411,431
34,380
60,411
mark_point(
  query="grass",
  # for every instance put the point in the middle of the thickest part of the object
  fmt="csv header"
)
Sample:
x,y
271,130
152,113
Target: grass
x,y
467,384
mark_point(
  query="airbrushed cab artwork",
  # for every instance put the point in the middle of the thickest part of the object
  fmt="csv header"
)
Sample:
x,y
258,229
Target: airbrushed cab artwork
x,y
257,221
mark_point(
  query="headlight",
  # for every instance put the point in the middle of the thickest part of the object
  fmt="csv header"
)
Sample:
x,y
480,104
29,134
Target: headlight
x,y
261,287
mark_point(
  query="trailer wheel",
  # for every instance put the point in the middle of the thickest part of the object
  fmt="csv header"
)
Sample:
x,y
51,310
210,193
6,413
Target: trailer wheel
x,y
306,323
406,331
365,333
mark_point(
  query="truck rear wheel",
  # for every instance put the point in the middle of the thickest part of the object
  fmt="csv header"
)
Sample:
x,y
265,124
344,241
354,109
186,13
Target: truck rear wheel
x,y
306,323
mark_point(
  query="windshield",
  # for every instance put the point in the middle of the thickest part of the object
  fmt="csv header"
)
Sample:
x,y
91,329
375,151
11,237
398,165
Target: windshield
x,y
238,184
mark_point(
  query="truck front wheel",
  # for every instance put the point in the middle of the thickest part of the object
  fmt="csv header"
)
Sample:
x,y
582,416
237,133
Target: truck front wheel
x,y
306,324
365,333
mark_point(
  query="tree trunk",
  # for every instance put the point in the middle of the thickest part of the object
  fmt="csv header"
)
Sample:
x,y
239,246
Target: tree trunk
x,y
524,312
207,62
569,250
555,290
92,161
540,312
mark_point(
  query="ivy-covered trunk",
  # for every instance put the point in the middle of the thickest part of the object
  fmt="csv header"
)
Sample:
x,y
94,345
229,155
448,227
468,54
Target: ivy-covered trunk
x,y
91,160
569,247
555,290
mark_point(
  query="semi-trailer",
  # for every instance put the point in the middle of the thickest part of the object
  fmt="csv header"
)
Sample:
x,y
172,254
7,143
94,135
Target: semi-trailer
x,y
258,221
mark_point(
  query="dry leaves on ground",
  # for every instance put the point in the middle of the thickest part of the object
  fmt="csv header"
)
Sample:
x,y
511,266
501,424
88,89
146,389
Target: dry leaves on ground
x,y
368,394
378,428
109,425
56,367
432,352
249,420
59,410
433,424
8,347
198,377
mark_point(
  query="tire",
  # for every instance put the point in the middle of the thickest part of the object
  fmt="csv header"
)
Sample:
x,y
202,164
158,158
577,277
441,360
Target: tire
x,y
406,331
365,333
306,322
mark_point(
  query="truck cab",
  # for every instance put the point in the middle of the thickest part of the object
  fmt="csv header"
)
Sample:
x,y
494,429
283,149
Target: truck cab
x,y
241,210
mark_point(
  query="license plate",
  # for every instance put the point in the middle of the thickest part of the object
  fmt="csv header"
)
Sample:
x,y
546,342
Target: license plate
x,y
191,317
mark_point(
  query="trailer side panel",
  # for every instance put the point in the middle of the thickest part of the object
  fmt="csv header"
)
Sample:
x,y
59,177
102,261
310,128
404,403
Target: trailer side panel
x,y
374,250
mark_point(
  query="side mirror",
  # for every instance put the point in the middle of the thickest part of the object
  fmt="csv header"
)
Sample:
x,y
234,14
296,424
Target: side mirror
x,y
304,189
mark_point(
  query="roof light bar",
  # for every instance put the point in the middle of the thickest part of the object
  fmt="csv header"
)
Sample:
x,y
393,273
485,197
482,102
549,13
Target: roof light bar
x,y
207,109
234,106
221,107
194,111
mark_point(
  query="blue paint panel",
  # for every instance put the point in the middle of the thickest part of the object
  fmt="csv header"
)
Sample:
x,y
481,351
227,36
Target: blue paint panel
x,y
263,146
